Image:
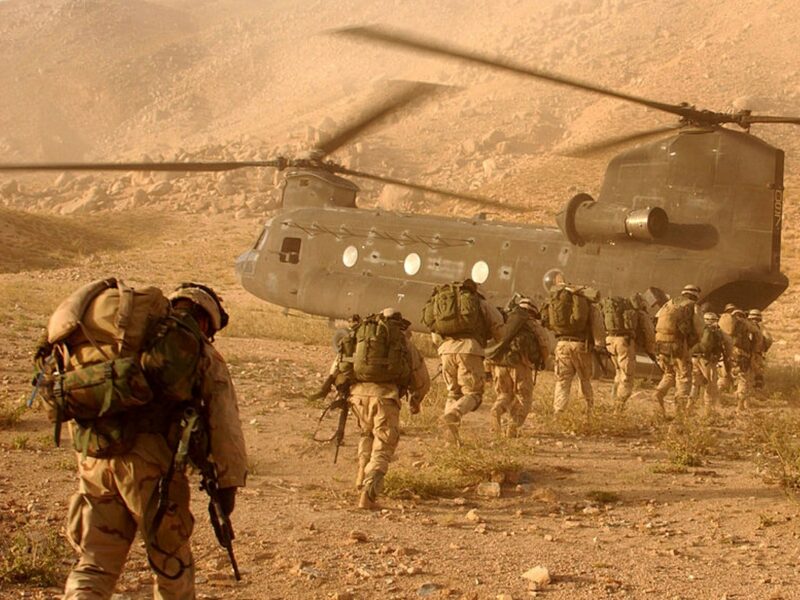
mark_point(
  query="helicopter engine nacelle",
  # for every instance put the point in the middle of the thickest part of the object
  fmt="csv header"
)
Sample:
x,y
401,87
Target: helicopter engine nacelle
x,y
585,220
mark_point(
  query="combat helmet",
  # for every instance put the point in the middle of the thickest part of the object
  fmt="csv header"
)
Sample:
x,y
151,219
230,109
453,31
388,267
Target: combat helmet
x,y
754,315
691,291
711,318
204,297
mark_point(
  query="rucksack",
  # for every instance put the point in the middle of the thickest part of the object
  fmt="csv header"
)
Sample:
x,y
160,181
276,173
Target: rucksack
x,y
674,322
115,350
376,351
711,344
568,312
526,343
619,315
455,311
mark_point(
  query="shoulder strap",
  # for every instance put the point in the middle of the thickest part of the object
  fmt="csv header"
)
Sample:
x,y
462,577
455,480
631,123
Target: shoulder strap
x,y
124,312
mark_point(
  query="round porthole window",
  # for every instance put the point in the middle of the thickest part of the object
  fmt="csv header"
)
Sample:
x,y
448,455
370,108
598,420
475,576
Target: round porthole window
x,y
412,263
480,272
350,256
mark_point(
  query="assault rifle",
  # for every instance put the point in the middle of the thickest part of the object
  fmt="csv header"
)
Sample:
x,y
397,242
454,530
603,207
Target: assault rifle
x,y
339,402
199,451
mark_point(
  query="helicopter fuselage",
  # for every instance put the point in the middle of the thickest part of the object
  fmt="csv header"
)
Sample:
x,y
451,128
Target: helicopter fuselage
x,y
701,207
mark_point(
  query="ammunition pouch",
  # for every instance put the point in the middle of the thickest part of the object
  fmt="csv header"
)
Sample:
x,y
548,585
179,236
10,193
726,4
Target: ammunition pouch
x,y
102,389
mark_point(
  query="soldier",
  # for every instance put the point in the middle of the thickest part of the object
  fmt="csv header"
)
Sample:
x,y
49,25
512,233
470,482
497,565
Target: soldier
x,y
743,333
382,365
572,314
117,494
678,328
706,355
513,362
762,343
626,322
462,322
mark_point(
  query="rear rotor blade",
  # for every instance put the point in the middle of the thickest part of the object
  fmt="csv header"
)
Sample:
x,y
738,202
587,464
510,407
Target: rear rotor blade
x,y
431,189
403,39
405,93
749,119
587,150
139,166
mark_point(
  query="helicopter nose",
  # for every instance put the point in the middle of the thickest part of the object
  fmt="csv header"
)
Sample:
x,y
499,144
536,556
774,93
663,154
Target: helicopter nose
x,y
246,266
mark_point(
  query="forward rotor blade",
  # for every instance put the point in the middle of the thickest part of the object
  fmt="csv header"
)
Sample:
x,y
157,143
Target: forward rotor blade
x,y
431,189
394,37
587,150
139,166
408,92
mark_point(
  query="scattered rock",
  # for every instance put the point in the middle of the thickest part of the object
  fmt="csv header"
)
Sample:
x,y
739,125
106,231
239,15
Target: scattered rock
x,y
473,517
428,589
161,188
489,489
358,536
537,576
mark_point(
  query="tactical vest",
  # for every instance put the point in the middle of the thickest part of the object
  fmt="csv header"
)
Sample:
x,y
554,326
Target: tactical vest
x,y
376,351
568,312
619,315
115,350
675,322
456,312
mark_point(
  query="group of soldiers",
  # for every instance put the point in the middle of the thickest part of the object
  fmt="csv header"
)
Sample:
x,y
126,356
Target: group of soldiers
x,y
135,375
697,353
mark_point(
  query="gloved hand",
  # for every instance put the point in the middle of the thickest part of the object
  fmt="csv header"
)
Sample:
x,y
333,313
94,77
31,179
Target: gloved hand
x,y
227,499
414,405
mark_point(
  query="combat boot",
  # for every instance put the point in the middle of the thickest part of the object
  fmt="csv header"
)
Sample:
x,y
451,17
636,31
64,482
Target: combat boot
x,y
512,431
367,503
450,424
496,420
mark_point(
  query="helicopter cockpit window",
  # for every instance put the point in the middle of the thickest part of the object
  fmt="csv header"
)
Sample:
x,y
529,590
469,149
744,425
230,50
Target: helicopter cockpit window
x,y
290,250
412,263
480,272
350,256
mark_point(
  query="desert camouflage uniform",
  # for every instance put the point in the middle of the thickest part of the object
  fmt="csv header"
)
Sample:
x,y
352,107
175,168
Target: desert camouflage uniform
x,y
622,346
512,372
115,499
741,372
377,408
706,355
675,359
761,343
573,357
462,369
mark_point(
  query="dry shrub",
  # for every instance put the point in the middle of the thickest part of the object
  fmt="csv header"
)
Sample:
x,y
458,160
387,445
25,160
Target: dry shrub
x,y
688,441
10,414
776,439
34,558
447,471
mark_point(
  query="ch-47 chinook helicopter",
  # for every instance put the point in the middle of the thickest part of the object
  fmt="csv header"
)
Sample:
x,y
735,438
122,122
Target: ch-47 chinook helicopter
x,y
703,205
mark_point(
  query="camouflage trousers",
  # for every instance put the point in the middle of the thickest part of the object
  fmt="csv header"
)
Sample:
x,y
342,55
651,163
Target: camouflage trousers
x,y
110,506
514,389
742,373
676,369
622,349
379,423
759,366
463,376
704,382
571,359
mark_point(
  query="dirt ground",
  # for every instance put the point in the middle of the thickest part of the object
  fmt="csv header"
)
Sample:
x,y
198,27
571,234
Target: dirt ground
x,y
608,512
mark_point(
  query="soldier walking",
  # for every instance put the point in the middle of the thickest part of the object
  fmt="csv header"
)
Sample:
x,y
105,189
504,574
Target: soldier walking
x,y
127,451
513,362
573,315
461,322
706,356
678,329
626,322
742,333
381,365
761,344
